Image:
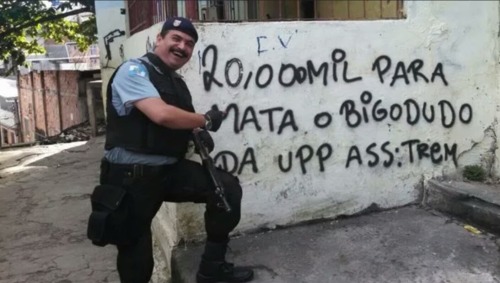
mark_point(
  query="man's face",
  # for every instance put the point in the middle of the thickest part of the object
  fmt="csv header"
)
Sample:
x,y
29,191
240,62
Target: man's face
x,y
175,48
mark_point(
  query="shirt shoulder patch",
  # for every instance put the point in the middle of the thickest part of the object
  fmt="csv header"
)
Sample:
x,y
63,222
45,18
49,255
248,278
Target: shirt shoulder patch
x,y
137,70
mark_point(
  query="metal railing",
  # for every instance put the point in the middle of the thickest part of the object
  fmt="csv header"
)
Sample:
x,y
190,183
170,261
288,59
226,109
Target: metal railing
x,y
145,13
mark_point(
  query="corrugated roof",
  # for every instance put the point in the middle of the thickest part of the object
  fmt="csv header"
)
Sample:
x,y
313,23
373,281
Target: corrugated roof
x,y
64,57
56,51
8,88
7,118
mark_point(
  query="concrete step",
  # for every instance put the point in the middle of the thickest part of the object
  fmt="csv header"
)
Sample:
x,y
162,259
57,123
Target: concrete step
x,y
409,244
476,203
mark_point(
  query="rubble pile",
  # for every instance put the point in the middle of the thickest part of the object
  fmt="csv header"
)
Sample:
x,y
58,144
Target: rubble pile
x,y
81,132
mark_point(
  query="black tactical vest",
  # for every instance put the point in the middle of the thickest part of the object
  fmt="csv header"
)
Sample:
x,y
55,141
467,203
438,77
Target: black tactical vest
x,y
136,132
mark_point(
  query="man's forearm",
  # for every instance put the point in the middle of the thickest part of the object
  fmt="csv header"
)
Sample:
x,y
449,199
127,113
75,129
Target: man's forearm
x,y
169,116
176,118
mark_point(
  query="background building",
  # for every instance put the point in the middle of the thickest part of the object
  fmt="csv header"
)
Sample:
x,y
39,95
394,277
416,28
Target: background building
x,y
53,88
52,92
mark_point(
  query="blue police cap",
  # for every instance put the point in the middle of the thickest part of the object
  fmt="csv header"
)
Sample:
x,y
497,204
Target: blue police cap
x,y
180,24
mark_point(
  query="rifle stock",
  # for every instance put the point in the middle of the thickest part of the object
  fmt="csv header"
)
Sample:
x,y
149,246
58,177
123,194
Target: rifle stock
x,y
209,165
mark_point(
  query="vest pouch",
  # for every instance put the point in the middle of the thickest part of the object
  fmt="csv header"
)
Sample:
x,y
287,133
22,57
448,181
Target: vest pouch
x,y
109,220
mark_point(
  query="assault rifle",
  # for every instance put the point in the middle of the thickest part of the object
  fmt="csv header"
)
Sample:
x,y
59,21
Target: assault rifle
x,y
210,167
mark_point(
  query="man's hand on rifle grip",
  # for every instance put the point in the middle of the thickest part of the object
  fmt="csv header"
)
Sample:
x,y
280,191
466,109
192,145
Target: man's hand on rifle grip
x,y
213,120
206,140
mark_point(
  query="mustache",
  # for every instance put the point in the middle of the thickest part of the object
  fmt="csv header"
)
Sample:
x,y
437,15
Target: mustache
x,y
179,51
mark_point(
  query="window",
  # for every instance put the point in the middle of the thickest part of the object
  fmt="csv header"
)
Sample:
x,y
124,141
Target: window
x,y
265,10
145,13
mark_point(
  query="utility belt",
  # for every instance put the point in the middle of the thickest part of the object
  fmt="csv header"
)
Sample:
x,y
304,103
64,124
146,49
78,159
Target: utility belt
x,y
110,172
112,220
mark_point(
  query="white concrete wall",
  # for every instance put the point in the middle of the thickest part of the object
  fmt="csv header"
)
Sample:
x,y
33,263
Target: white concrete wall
x,y
372,162
109,19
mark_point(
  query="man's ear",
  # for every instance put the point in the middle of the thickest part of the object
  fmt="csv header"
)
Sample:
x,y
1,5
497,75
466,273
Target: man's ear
x,y
158,39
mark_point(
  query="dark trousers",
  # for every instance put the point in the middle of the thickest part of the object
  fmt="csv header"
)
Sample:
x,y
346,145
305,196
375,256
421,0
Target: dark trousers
x,y
149,187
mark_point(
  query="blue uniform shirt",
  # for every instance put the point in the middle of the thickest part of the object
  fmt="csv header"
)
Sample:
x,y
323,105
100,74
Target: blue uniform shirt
x,y
131,83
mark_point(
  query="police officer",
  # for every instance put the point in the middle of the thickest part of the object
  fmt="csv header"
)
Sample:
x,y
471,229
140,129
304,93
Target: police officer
x,y
150,119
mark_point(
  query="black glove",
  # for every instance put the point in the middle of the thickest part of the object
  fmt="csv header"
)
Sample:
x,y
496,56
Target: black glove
x,y
206,140
214,119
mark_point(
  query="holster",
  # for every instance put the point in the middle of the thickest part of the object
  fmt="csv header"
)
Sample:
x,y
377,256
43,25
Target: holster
x,y
108,222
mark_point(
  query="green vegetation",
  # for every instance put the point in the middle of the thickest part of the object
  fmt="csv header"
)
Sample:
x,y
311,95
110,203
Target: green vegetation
x,y
474,173
22,22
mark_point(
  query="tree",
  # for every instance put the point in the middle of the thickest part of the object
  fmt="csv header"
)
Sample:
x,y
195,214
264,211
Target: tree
x,y
22,22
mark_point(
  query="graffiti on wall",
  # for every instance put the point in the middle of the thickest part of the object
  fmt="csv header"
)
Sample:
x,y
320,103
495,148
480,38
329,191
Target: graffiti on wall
x,y
150,44
289,75
108,39
359,110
